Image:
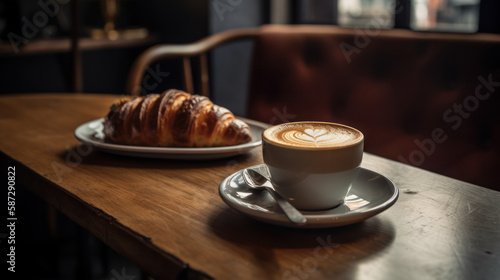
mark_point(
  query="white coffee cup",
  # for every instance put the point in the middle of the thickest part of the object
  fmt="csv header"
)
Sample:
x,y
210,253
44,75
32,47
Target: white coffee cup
x,y
313,164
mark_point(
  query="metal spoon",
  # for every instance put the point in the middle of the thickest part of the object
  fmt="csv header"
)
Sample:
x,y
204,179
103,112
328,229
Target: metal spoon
x,y
255,180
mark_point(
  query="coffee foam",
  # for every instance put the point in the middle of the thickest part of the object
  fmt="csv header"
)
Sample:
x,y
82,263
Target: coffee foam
x,y
313,134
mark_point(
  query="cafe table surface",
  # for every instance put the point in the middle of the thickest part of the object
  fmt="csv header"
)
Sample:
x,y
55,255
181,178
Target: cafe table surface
x,y
167,217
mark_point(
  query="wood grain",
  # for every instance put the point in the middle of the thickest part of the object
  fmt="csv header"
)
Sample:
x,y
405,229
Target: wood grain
x,y
166,214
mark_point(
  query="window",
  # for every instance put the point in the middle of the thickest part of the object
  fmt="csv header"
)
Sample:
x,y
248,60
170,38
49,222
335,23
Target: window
x,y
421,15
445,15
356,13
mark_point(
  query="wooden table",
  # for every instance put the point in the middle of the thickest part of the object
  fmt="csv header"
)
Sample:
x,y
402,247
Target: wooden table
x,y
168,218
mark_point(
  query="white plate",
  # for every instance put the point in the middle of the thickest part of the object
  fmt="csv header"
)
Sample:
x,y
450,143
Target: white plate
x,y
370,194
92,133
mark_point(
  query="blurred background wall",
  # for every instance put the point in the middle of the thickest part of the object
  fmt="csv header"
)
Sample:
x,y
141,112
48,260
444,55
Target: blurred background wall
x,y
105,68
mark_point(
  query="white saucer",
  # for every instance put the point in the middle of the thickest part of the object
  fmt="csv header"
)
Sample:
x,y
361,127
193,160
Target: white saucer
x,y
91,133
370,194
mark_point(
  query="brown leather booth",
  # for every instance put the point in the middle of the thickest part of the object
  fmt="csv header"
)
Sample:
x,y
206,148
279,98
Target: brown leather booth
x,y
427,99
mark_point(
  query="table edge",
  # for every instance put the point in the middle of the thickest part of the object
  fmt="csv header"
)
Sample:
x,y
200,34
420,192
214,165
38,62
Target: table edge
x,y
158,263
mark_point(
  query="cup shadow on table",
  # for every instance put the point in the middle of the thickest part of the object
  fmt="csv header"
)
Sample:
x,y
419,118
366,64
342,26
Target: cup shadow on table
x,y
349,246
236,227
79,154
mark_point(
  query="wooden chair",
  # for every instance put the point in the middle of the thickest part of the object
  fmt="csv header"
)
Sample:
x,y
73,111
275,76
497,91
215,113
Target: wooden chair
x,y
397,86
186,52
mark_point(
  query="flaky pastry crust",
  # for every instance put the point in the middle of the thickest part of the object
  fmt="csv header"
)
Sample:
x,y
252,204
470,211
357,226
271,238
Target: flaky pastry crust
x,y
173,119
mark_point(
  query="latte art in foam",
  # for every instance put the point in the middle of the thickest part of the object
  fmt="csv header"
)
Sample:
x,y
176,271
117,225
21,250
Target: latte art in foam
x,y
313,135
312,164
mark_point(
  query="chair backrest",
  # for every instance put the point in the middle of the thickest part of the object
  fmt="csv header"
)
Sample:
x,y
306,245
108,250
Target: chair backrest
x,y
185,52
427,99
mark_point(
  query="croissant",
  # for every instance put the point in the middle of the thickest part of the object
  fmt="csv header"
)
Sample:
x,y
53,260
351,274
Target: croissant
x,y
173,119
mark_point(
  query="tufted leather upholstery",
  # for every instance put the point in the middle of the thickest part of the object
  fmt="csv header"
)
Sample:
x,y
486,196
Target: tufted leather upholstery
x,y
412,94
